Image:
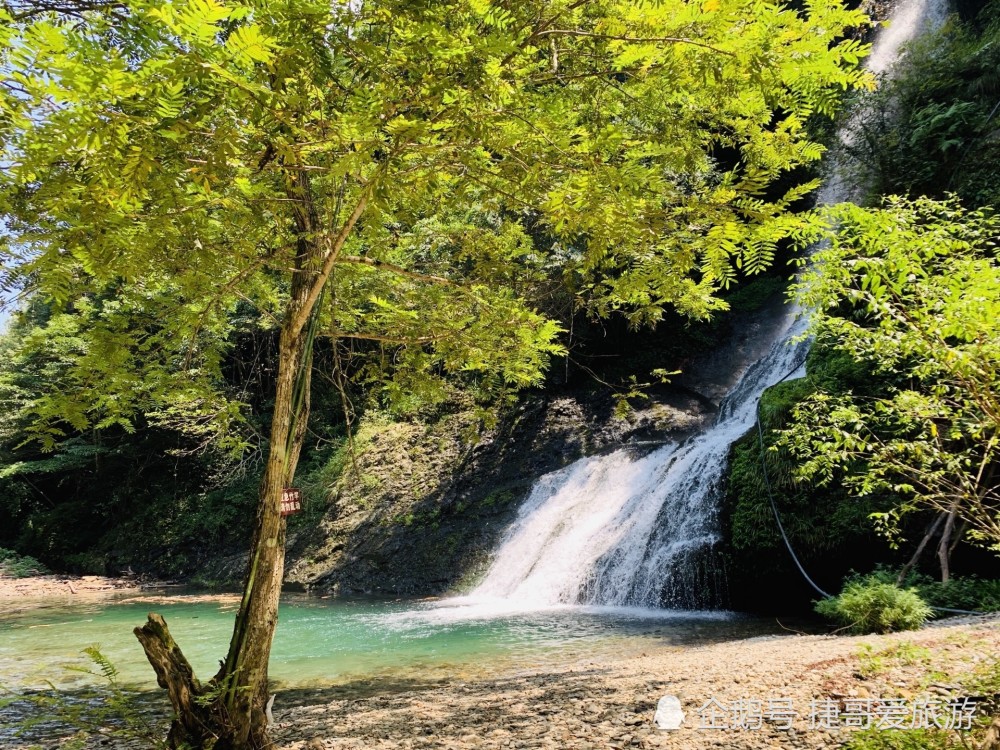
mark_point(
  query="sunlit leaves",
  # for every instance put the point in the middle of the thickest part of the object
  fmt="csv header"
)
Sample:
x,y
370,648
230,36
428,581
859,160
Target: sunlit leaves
x,y
249,45
176,159
913,291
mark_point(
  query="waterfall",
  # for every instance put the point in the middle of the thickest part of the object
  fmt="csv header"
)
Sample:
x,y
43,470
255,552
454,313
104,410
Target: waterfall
x,y
910,19
625,531
622,530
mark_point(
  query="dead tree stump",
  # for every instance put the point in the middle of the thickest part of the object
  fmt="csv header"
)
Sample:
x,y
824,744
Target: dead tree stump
x,y
197,717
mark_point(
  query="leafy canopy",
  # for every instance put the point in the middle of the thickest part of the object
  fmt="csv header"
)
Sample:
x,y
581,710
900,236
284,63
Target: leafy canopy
x,y
912,290
166,161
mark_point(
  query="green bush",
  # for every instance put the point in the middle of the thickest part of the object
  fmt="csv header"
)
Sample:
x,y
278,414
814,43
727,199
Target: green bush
x,y
15,565
967,592
962,592
870,605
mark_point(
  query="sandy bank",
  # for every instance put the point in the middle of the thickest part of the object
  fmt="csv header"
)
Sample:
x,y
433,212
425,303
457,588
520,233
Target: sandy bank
x,y
42,587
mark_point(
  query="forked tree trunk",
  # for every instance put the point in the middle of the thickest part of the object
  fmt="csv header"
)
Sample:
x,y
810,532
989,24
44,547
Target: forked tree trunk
x,y
944,546
231,712
931,531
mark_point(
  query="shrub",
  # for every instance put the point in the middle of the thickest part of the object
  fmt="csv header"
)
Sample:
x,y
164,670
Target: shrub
x,y
961,592
873,606
968,592
19,566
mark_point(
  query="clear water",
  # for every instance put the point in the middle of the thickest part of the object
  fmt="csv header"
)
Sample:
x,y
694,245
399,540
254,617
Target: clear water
x,y
323,642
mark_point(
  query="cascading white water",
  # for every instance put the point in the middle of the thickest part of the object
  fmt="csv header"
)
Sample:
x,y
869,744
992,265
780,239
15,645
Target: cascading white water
x,y
625,531
616,530
910,19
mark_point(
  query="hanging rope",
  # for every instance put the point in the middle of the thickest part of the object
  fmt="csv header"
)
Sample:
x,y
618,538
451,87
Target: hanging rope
x,y
777,516
770,493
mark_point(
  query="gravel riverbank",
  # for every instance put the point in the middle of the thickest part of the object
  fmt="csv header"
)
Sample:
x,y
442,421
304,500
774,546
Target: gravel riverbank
x,y
50,586
610,703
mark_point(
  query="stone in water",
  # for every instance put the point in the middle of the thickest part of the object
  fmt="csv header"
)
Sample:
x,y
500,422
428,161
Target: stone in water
x,y
668,713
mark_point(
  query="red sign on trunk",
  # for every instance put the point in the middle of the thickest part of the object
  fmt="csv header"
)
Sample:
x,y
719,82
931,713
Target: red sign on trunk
x,y
291,501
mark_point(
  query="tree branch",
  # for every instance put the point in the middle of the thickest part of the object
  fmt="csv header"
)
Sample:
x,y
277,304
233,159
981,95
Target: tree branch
x,y
21,11
334,246
375,263
636,40
386,339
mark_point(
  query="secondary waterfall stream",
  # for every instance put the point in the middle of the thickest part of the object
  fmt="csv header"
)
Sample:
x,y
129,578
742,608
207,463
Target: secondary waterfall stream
x,y
622,530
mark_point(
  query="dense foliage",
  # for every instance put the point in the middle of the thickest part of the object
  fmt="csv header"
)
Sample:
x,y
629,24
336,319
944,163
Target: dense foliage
x,y
829,528
913,292
874,606
931,128
471,127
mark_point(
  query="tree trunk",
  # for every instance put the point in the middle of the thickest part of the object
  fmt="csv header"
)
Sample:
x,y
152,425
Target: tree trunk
x,y
944,546
245,669
232,712
931,531
193,720
235,716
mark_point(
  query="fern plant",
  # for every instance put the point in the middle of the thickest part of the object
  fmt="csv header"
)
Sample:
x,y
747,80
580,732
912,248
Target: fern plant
x,y
76,718
873,606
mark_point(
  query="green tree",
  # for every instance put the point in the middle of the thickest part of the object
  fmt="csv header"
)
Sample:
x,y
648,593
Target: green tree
x,y
929,128
912,290
74,504
322,160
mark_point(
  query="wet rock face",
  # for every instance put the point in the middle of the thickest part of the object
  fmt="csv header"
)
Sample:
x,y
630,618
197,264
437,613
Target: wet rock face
x,y
713,374
423,507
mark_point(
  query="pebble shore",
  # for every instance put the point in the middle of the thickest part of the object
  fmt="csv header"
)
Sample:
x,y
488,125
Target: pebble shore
x,y
610,703
52,586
